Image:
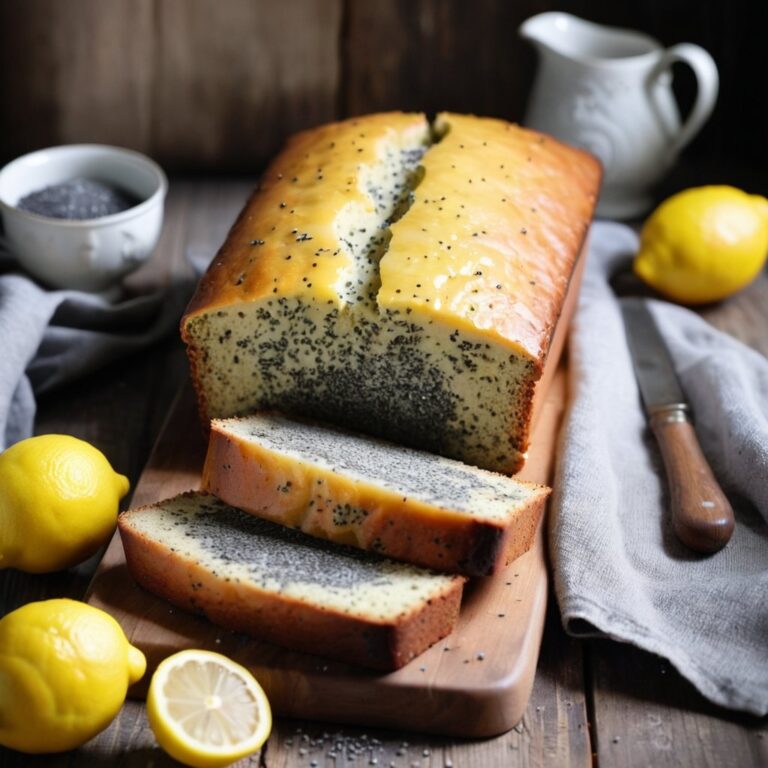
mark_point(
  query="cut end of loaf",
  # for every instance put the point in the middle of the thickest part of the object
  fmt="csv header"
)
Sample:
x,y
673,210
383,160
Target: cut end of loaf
x,y
388,375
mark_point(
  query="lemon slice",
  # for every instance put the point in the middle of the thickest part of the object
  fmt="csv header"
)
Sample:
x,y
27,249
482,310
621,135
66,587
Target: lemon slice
x,y
207,711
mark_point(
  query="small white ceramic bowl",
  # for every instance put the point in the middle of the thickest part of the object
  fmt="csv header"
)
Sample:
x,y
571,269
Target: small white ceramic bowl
x,y
84,254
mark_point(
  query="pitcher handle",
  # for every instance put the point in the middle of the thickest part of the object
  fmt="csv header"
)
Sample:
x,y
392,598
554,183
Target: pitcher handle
x,y
707,81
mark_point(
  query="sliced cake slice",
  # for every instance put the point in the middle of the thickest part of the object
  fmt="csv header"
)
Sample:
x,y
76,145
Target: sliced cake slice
x,y
353,489
279,585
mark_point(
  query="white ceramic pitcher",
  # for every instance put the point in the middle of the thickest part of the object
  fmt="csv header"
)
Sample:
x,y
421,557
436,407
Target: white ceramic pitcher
x,y
609,91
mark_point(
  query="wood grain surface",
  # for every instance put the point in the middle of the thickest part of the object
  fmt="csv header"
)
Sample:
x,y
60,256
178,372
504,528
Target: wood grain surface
x,y
434,55
206,85
77,76
196,83
593,703
233,81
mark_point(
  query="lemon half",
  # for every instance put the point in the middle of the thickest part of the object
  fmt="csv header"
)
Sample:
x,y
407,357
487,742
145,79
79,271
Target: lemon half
x,y
704,244
207,711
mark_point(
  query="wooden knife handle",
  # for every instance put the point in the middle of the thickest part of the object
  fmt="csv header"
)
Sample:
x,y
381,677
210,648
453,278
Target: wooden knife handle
x,y
702,517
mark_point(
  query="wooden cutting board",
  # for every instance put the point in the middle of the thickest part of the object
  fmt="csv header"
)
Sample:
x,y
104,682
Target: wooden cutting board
x,y
474,683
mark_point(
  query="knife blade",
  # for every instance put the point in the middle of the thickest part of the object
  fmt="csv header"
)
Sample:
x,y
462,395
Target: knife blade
x,y
702,517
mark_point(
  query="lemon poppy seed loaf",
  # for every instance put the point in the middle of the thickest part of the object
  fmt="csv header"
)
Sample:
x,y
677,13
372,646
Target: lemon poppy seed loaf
x,y
406,504
279,585
398,278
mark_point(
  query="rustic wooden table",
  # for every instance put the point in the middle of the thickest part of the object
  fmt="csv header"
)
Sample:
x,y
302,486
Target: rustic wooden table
x,y
593,702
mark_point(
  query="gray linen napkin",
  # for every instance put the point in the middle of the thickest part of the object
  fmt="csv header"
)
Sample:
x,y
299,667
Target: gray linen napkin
x,y
50,337
619,571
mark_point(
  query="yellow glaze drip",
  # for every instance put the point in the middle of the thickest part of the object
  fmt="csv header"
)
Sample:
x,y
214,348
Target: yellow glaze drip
x,y
491,237
285,242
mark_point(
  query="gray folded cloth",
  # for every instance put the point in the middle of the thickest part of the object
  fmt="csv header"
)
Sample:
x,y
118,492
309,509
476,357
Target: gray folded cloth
x,y
619,570
50,337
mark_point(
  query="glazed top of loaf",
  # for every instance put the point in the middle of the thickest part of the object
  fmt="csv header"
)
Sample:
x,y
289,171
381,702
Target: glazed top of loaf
x,y
495,218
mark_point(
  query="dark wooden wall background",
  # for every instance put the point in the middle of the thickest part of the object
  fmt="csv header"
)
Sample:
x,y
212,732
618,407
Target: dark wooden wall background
x,y
216,85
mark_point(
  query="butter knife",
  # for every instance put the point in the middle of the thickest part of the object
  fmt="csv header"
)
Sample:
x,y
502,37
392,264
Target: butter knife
x,y
702,517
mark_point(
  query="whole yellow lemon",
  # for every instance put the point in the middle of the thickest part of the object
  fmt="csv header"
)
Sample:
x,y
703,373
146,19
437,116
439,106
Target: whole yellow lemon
x,y
58,502
704,244
65,668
